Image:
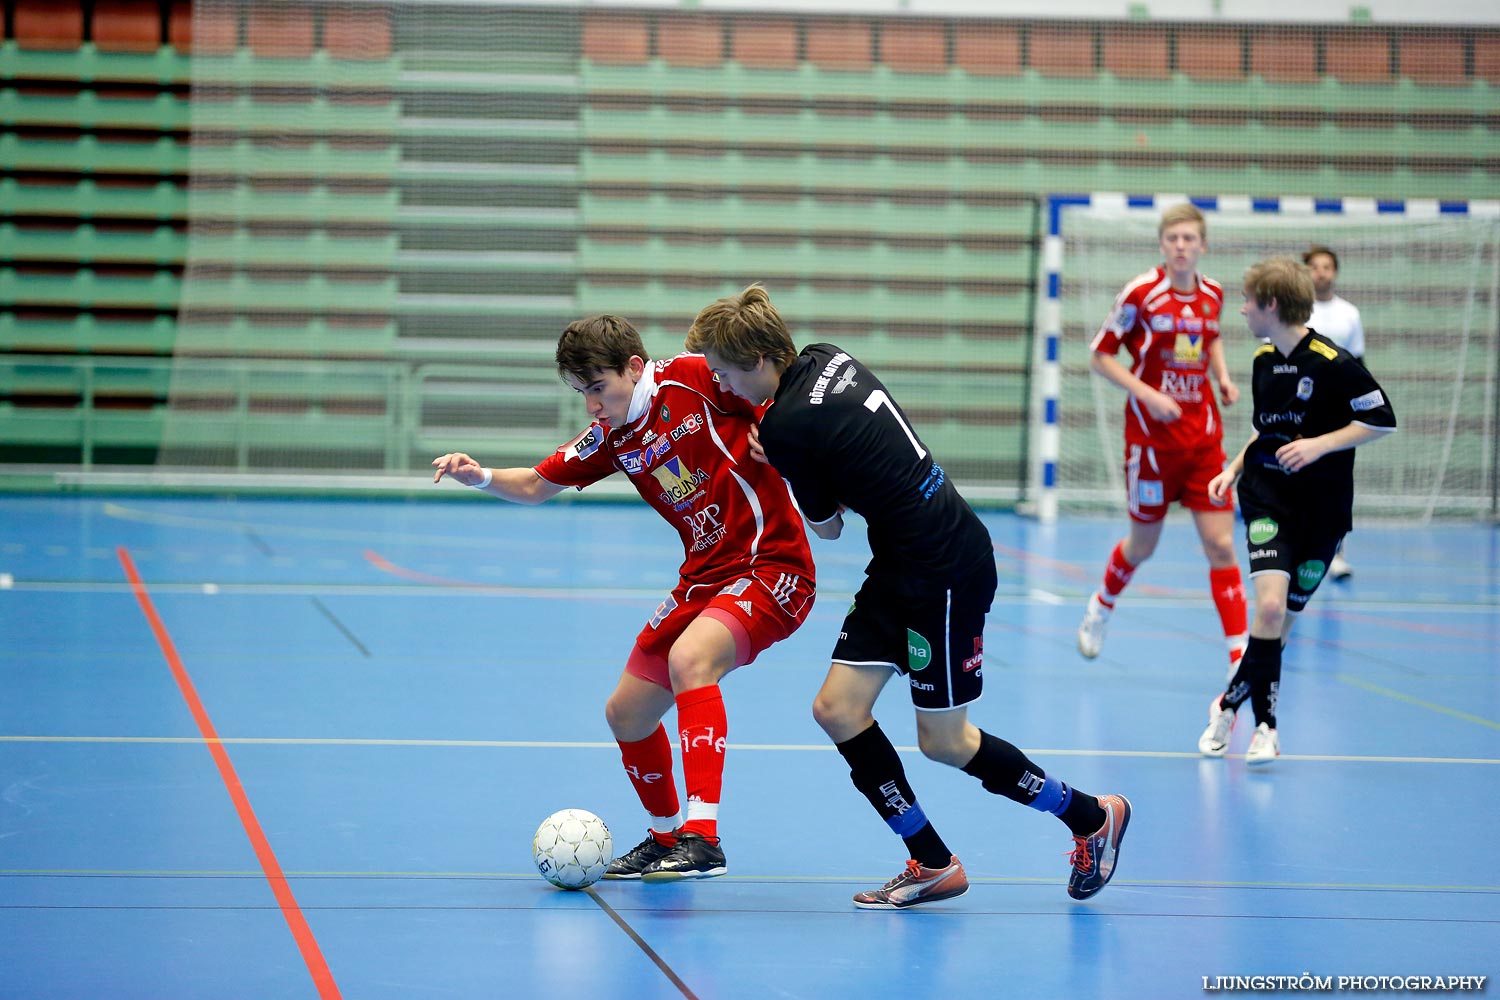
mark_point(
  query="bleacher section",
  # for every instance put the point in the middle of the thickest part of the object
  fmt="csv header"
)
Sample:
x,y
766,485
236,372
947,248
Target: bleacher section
x,y
198,207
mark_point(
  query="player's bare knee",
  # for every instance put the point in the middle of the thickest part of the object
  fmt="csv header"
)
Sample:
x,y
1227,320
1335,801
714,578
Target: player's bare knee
x,y
839,719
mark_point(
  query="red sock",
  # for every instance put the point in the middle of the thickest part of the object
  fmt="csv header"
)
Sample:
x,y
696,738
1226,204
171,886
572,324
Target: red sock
x,y
1228,589
648,762
701,718
1116,575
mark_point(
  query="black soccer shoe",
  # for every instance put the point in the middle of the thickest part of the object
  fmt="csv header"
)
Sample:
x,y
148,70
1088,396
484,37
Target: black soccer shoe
x,y
694,856
640,856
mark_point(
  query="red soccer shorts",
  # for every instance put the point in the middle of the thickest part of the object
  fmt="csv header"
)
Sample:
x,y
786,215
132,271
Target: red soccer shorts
x,y
1154,480
759,609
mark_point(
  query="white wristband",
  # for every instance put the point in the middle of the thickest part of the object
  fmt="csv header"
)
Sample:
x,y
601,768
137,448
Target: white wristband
x,y
489,477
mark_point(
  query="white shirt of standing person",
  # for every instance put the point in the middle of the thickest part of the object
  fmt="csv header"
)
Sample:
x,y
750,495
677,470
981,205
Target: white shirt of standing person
x,y
1338,320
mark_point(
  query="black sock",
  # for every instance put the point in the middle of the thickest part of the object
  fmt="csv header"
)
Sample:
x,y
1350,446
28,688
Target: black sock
x,y
1247,674
876,770
1265,683
1004,770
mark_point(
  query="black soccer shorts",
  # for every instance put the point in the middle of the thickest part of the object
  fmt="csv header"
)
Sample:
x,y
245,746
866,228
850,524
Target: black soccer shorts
x,y
934,637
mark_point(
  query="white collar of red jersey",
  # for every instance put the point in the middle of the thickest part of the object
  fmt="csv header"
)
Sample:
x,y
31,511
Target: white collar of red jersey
x,y
640,400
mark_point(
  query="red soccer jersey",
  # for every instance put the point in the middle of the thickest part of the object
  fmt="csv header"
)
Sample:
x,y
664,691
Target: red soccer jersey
x,y
1167,334
688,455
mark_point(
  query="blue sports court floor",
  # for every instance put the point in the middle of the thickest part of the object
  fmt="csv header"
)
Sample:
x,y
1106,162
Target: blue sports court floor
x,y
297,748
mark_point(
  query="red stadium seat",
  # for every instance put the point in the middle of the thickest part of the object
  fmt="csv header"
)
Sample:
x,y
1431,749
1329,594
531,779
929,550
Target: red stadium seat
x,y
840,44
1487,56
1136,51
205,30
362,32
280,32
1359,55
616,38
1062,50
1211,53
1431,56
49,24
690,40
764,44
987,48
1284,55
914,46
127,25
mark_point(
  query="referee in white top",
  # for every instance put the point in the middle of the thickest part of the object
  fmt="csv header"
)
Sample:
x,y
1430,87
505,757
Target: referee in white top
x,y
1336,318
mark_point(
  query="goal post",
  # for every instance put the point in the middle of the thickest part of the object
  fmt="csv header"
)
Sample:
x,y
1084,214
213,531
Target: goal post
x,y
1425,275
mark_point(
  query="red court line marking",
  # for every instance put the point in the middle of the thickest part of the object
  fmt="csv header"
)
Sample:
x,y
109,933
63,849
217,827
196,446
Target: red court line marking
x,y
306,943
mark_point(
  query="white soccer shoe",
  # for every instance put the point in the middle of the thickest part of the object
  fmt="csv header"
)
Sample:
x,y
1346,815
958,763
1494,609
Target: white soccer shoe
x,y
1215,739
1091,630
1265,745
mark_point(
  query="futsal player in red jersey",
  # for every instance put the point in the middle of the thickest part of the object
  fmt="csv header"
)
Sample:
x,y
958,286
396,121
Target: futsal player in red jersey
x,y
746,580
1167,320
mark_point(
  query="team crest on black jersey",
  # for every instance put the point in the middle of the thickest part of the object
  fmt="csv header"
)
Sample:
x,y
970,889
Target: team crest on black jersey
x,y
1304,389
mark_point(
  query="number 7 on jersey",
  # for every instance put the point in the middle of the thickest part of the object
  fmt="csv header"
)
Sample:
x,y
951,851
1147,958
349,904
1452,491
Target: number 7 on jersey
x,y
876,399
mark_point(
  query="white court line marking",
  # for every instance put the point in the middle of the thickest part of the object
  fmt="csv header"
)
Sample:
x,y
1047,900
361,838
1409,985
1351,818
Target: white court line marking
x,y
563,592
760,747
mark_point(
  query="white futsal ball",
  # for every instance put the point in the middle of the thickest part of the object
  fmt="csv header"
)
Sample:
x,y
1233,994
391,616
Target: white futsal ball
x,y
573,848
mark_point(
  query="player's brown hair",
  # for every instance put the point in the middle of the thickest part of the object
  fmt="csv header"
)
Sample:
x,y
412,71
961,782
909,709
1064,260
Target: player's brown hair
x,y
1185,212
1288,282
742,329
597,344
1319,250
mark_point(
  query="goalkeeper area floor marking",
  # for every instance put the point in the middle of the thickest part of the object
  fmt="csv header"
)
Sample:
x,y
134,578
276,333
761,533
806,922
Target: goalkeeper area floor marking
x,y
403,689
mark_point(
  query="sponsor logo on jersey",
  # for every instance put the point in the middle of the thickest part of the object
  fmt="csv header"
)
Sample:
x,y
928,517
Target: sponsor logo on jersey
x,y
845,381
820,386
918,652
1272,419
708,531
935,479
1263,554
977,660
677,481
1304,388
1185,387
1262,530
1368,401
1162,323
630,461
1124,318
1310,573
1284,370
1149,493
658,449
744,606
1189,348
584,445
691,424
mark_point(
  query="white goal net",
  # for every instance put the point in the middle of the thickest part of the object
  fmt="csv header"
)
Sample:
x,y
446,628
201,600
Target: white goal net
x,y
1425,280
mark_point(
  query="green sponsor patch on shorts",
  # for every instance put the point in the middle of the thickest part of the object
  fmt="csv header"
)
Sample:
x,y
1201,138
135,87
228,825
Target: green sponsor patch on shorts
x,y
1262,530
1310,573
918,652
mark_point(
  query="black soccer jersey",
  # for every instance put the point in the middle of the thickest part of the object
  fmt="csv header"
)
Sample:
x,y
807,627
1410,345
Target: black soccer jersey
x,y
838,437
1318,389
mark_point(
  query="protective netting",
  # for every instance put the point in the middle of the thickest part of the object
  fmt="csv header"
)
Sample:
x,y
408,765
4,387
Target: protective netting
x,y
1426,288
395,209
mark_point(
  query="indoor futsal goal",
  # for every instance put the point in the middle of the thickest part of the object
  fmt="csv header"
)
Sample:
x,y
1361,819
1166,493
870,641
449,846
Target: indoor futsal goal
x,y
1425,276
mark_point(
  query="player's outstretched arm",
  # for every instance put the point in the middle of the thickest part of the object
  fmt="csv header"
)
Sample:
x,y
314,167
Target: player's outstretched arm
x,y
517,485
